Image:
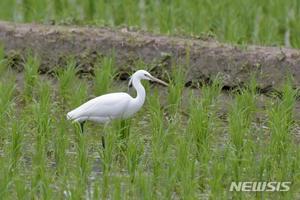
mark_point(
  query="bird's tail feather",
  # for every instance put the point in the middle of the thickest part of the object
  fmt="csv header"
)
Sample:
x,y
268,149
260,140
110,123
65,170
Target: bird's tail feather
x,y
70,115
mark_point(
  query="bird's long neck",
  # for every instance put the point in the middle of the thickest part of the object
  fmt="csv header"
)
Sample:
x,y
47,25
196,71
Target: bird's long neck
x,y
140,91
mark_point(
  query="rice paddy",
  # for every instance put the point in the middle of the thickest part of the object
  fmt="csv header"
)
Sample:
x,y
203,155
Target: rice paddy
x,y
167,151
272,22
184,144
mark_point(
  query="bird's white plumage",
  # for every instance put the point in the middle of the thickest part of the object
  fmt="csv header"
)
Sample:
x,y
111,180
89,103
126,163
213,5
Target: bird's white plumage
x,y
114,105
100,109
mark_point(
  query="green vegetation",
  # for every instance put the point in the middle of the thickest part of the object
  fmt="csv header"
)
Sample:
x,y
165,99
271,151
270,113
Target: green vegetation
x,y
168,150
166,155
271,22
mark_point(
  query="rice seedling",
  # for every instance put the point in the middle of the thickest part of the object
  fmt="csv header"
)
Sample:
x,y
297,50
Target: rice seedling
x,y
281,122
61,143
160,153
16,146
42,122
90,9
5,179
107,156
143,185
176,87
31,68
82,164
66,78
7,91
202,117
201,126
282,160
239,127
218,178
3,60
7,104
164,156
133,155
104,74
186,170
231,21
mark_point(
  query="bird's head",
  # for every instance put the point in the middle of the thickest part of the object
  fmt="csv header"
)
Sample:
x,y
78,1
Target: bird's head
x,y
144,75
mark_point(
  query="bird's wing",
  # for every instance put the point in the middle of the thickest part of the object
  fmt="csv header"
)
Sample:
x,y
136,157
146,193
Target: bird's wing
x,y
109,105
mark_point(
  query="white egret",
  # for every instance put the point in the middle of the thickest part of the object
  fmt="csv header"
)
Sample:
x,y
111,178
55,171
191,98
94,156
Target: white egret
x,y
111,106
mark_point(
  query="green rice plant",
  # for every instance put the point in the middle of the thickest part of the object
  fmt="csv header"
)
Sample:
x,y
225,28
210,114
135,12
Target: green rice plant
x,y
90,9
42,109
96,189
240,118
163,169
122,130
168,180
31,68
27,10
132,17
202,125
3,61
143,184
186,169
67,12
283,159
58,7
33,10
157,130
134,152
117,191
176,88
16,145
61,143
7,91
42,123
21,188
178,160
66,78
230,21
7,103
107,155
202,115
239,126
210,93
281,121
5,161
217,181
104,74
82,164
5,179
80,96
8,8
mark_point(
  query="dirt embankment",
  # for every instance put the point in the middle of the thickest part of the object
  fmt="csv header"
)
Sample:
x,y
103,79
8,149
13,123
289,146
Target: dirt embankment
x,y
202,59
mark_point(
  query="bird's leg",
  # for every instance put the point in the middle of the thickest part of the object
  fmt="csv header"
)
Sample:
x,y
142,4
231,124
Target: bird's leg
x,y
103,136
81,126
103,141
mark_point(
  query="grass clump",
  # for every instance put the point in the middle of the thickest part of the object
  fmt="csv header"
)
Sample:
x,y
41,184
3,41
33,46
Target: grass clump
x,y
176,88
67,78
31,76
261,22
173,150
104,74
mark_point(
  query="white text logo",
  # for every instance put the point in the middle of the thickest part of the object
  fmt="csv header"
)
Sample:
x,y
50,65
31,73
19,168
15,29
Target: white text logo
x,y
260,186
